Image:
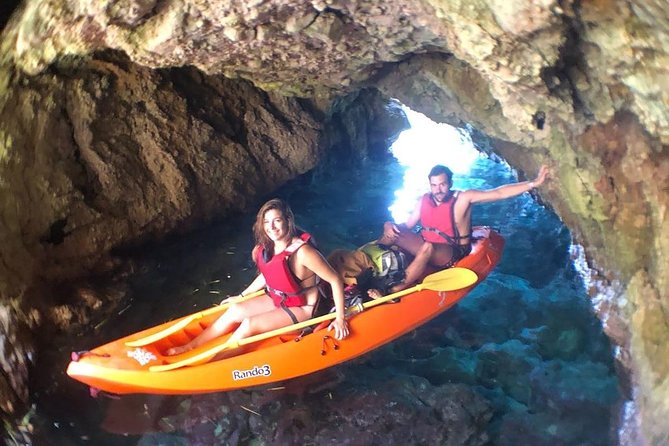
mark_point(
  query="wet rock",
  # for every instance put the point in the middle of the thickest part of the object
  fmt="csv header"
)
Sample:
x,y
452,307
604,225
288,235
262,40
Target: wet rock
x,y
507,366
403,410
406,411
446,365
556,343
526,427
17,356
586,389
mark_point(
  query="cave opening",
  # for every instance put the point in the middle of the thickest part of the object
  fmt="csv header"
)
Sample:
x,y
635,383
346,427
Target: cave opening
x,y
425,144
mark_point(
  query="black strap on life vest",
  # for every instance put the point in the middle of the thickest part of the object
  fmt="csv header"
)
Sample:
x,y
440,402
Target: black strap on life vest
x,y
450,240
283,295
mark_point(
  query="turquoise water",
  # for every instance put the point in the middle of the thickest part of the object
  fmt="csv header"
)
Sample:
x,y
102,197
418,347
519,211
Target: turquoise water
x,y
523,353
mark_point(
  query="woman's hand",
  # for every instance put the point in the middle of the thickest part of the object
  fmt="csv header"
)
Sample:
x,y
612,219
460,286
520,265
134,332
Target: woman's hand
x,y
231,299
340,327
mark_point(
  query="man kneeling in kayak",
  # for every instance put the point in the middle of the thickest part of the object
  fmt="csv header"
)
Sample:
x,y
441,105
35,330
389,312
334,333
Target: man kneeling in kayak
x,y
289,271
445,217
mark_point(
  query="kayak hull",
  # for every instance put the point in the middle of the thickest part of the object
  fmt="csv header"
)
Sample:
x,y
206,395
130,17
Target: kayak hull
x,y
121,369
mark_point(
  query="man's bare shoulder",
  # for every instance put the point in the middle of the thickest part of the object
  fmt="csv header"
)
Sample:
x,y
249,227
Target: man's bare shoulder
x,y
467,194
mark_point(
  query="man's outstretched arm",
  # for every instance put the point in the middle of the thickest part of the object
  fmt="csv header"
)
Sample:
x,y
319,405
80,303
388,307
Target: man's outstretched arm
x,y
506,191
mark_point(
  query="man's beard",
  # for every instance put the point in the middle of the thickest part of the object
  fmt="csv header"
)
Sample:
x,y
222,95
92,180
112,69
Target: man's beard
x,y
439,198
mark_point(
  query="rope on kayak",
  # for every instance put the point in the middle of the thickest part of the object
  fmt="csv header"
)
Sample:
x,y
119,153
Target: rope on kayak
x,y
76,356
324,345
303,333
312,329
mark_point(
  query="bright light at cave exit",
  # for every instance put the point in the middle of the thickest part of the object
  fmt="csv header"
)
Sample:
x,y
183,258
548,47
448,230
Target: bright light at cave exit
x,y
422,146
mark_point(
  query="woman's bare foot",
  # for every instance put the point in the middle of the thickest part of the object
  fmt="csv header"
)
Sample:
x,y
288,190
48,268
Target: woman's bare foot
x,y
178,350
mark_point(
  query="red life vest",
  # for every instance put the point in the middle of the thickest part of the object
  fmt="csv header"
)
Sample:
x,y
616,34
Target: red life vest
x,y
282,285
438,221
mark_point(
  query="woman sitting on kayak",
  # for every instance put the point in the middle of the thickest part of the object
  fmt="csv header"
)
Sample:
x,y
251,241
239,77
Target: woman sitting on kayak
x,y
289,271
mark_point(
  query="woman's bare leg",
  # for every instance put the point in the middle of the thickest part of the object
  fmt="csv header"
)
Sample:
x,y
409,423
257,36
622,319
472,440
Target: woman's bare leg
x,y
262,323
234,315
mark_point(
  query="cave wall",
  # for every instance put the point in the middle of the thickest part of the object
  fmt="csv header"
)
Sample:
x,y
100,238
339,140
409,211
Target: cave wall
x,y
580,85
102,153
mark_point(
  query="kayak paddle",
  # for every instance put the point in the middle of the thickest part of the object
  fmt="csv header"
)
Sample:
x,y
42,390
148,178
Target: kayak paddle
x,y
446,280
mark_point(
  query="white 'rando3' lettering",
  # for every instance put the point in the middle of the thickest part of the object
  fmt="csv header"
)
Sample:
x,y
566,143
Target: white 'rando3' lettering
x,y
263,370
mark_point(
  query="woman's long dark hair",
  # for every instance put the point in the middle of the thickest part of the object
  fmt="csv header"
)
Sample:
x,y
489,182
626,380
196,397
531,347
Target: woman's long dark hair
x,y
259,225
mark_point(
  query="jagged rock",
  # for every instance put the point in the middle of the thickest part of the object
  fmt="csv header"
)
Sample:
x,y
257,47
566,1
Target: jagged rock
x,y
586,389
17,355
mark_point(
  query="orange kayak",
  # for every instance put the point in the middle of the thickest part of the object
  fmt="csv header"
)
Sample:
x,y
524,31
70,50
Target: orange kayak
x,y
136,363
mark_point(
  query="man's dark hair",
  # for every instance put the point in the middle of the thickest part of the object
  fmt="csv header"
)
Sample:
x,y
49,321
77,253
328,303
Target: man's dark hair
x,y
438,170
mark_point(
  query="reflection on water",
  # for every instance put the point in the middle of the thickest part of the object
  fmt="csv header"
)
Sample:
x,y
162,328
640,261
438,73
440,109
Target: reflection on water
x,y
525,342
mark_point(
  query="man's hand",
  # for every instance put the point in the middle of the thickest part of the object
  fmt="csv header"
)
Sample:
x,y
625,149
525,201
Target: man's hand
x,y
541,176
390,232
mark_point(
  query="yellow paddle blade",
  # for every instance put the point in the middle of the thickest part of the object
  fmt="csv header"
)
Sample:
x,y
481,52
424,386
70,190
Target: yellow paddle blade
x,y
446,280
450,279
183,323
